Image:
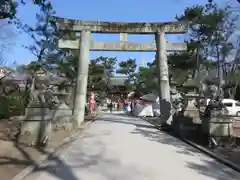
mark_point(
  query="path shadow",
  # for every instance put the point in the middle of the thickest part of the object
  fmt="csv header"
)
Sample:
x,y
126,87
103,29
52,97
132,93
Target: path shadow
x,y
28,160
211,168
159,136
56,168
126,119
214,170
87,161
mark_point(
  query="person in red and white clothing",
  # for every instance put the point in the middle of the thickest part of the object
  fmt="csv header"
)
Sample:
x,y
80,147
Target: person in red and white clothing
x,y
92,103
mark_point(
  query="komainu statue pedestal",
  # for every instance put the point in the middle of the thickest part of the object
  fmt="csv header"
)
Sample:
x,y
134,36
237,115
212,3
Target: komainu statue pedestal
x,y
35,125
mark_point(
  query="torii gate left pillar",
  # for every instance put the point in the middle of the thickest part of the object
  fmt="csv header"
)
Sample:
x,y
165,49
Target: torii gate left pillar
x,y
82,76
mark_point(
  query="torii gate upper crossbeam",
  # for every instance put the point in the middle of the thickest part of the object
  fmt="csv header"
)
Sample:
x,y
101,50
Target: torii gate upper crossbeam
x,y
122,27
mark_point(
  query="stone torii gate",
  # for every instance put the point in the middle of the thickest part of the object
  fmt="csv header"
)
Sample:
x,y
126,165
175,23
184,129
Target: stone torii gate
x,y
86,44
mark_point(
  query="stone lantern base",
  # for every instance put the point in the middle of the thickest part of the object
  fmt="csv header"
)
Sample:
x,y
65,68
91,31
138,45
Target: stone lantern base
x,y
191,110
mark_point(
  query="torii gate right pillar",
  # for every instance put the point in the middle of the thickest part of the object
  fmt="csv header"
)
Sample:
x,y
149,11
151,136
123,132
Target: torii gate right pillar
x,y
164,87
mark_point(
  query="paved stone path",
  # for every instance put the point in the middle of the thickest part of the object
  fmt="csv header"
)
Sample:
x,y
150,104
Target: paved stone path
x,y
117,147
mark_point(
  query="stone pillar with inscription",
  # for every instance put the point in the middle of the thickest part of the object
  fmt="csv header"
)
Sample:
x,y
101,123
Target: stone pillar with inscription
x,y
82,76
164,87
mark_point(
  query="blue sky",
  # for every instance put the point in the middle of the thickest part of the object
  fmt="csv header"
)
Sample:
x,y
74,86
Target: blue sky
x,y
106,10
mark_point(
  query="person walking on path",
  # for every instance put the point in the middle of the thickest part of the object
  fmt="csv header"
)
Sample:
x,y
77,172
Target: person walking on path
x,y
110,106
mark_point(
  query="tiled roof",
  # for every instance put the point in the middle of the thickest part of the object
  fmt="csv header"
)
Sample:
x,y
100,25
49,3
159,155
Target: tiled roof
x,y
118,80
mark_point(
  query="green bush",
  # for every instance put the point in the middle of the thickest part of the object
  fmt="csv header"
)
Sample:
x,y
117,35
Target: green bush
x,y
12,105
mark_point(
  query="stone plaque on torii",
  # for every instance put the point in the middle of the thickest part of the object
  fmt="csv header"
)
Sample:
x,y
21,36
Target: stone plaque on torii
x,y
86,44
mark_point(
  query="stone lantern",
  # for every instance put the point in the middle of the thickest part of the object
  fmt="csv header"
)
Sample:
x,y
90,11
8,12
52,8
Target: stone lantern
x,y
191,86
175,96
191,105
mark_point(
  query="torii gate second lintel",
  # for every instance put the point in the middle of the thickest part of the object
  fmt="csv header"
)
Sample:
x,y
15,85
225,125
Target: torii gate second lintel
x,y
122,46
